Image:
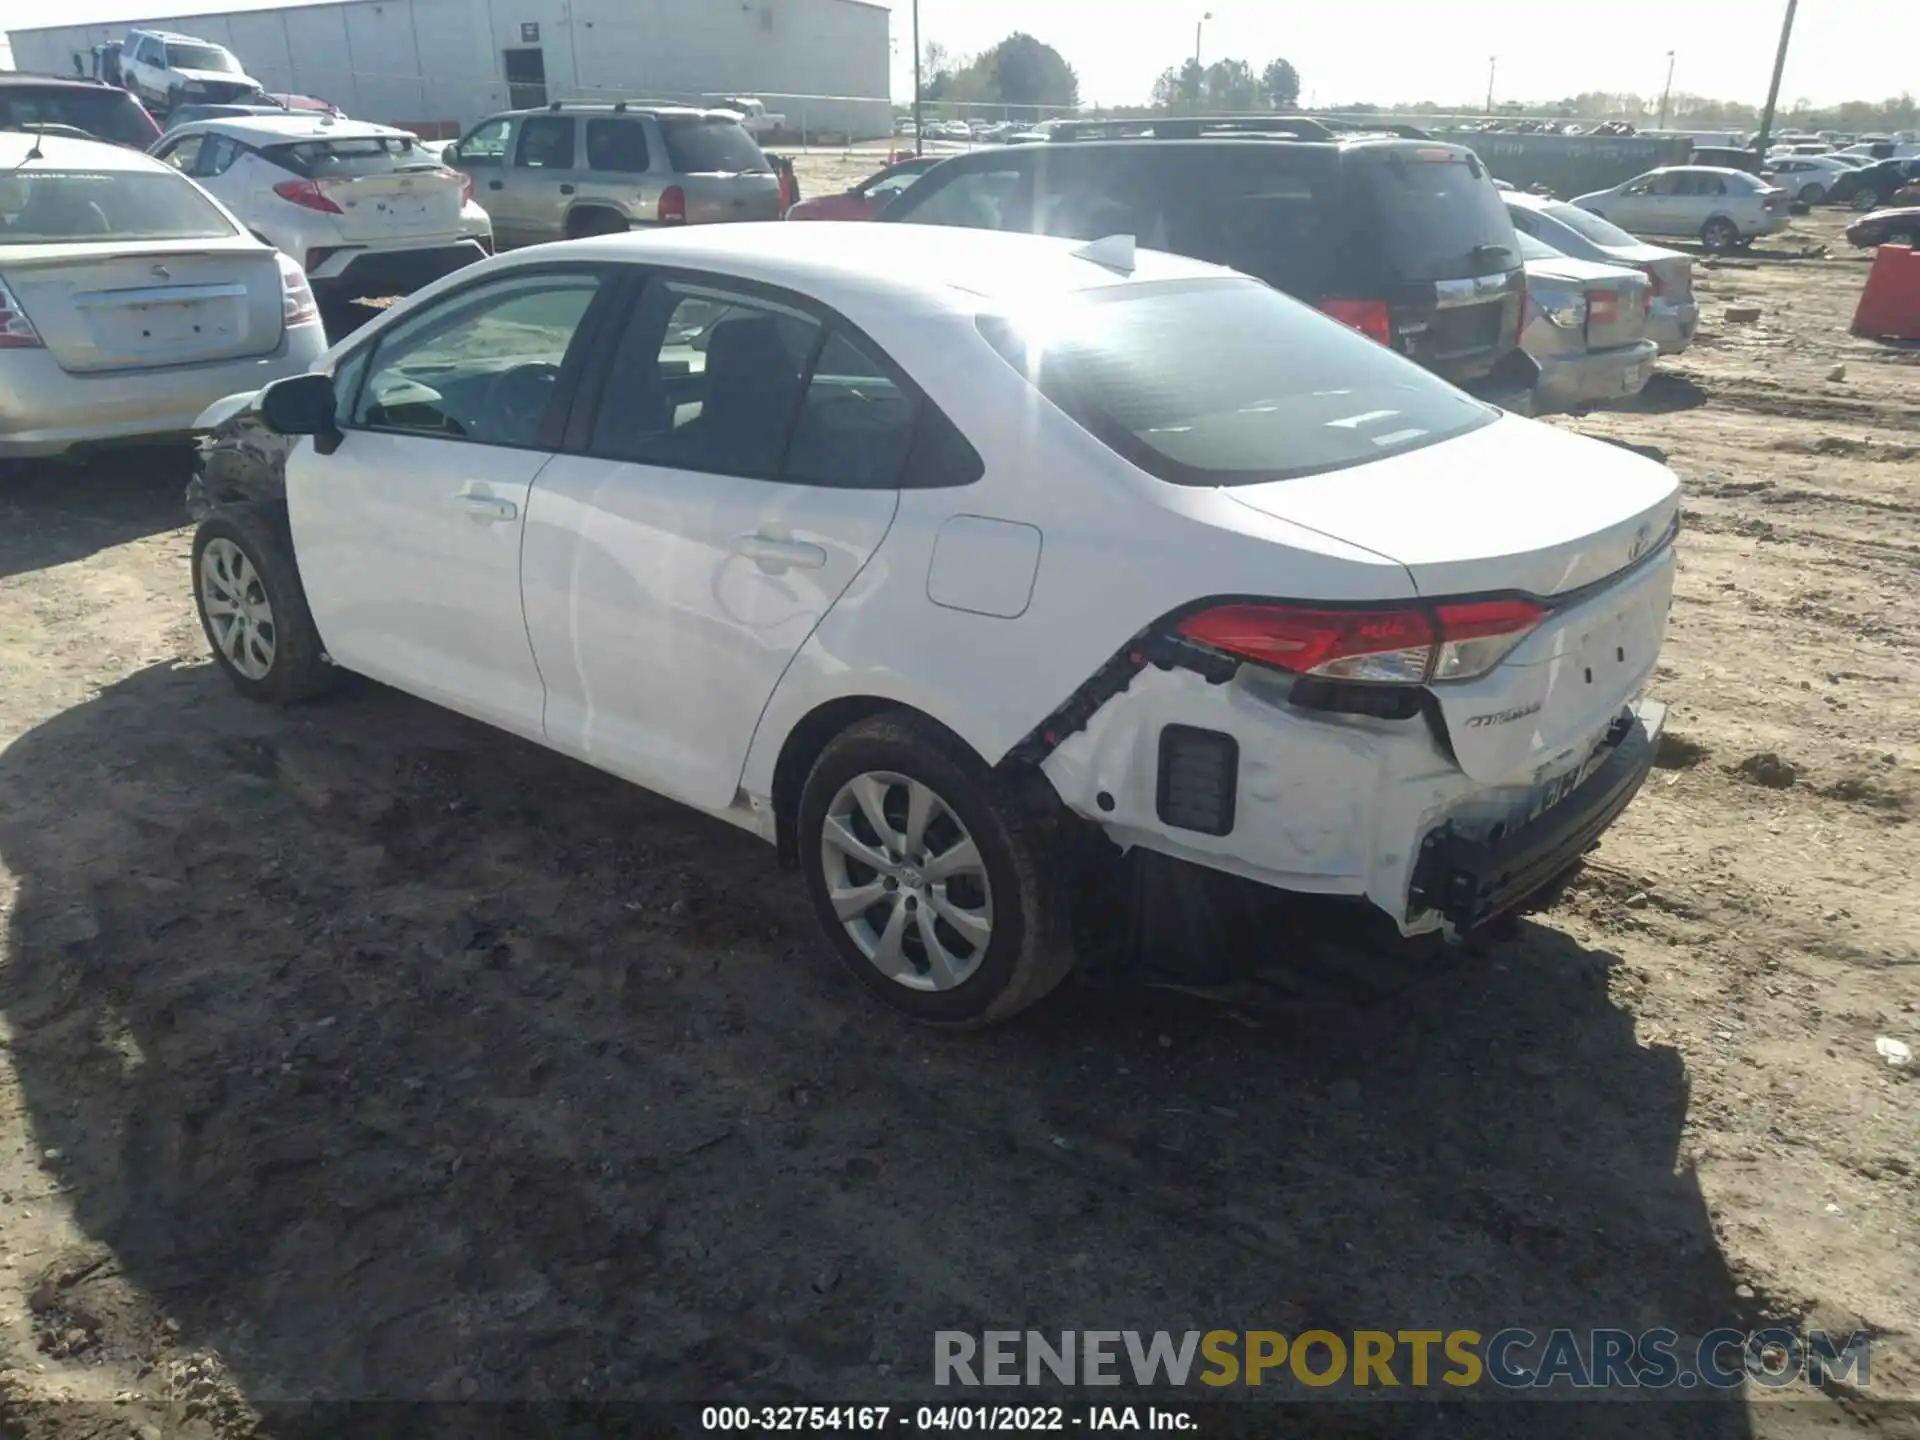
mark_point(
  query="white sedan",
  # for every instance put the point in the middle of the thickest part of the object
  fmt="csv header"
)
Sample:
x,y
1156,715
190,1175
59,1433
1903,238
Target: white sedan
x,y
923,553
366,210
129,301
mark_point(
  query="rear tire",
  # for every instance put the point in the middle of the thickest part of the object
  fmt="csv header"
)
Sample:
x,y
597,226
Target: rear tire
x,y
252,607
1812,194
1866,199
1719,235
971,925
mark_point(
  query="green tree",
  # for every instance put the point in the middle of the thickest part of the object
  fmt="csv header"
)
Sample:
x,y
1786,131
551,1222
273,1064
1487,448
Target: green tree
x,y
1026,72
1281,82
1230,85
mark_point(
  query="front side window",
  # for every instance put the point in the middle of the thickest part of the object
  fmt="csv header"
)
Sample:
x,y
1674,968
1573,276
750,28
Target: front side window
x,y
1227,382
480,365
486,144
546,143
705,379
40,207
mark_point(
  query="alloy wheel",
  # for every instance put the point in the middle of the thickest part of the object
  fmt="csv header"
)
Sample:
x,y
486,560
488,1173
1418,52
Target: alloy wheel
x,y
907,881
238,613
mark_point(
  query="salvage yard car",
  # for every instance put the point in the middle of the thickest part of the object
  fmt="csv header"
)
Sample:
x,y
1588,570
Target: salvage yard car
x,y
869,197
165,69
1725,209
1586,328
65,102
1674,314
366,210
936,556
129,300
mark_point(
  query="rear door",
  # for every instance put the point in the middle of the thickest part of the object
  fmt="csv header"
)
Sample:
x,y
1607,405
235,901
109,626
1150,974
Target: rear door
x,y
619,160
741,464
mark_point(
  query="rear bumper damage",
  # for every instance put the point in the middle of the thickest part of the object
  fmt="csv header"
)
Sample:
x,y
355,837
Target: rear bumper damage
x,y
356,270
1593,377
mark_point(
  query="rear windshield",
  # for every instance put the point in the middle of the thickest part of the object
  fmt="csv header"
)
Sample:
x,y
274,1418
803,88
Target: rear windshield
x,y
1437,214
106,113
47,206
201,57
1227,382
348,159
1588,225
710,147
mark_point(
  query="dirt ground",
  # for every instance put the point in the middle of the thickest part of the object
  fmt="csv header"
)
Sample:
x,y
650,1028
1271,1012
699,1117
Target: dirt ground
x,y
358,1052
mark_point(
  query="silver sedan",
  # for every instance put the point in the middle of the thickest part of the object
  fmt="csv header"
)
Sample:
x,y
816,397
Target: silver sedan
x,y
130,300
1586,330
1580,235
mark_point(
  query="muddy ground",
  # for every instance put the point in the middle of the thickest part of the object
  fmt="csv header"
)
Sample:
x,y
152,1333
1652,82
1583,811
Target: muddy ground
x,y
358,1052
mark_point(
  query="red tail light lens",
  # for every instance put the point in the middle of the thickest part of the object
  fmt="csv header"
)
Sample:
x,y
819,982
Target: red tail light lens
x,y
673,206
298,307
307,194
16,330
1603,307
466,184
1371,318
1406,647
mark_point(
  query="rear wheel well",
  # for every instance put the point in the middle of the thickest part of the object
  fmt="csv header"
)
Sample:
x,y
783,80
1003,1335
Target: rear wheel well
x,y
585,220
802,748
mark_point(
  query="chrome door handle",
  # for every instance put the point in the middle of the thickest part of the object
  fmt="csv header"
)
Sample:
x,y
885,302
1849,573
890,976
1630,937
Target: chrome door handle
x,y
484,507
773,555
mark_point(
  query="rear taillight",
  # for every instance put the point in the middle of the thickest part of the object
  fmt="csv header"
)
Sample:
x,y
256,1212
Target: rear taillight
x,y
673,206
16,330
1371,318
307,194
1603,307
298,307
1407,647
466,184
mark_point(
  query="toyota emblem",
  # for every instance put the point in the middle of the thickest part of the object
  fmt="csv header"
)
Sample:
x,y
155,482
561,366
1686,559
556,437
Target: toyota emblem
x,y
160,272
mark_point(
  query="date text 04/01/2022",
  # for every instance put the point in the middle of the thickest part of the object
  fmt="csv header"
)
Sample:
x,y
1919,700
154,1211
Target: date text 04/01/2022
x,y
985,1419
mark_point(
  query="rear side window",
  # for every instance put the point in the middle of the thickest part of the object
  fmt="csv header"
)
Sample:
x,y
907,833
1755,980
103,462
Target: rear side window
x,y
1227,382
617,145
711,147
105,113
855,425
1433,214
350,158
47,206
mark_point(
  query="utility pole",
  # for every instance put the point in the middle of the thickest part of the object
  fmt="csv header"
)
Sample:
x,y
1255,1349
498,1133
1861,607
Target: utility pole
x,y
1493,65
1666,94
917,141
1779,69
1199,76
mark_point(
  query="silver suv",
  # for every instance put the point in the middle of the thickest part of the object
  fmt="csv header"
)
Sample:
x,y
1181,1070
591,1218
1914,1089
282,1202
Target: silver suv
x,y
579,168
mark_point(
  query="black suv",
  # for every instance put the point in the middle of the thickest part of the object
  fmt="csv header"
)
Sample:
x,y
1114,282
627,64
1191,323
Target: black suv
x,y
64,105
1406,240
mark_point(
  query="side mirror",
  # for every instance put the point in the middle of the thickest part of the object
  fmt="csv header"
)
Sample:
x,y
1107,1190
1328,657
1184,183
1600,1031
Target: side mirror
x,y
450,156
302,405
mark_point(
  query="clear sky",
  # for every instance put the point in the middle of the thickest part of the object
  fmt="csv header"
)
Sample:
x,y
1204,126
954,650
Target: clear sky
x,y
1388,50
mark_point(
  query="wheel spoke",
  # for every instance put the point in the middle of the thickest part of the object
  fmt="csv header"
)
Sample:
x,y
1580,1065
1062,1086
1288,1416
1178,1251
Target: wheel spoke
x,y
852,901
961,858
946,970
887,951
839,834
233,640
871,794
974,926
922,806
220,605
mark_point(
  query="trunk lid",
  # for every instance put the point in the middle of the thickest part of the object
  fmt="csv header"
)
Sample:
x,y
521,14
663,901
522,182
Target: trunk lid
x,y
405,205
1517,506
98,308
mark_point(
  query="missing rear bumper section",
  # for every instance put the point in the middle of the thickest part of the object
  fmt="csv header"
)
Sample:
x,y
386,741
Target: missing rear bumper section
x,y
1471,881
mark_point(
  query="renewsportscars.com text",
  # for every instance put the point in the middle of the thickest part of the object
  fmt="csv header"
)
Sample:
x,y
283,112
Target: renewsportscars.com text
x,y
1514,1359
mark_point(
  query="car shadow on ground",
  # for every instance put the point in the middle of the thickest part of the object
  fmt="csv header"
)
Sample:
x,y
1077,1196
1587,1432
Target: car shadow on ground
x,y
1665,393
54,511
393,1058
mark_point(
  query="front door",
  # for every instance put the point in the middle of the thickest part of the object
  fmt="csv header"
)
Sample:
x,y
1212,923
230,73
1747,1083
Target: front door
x,y
538,186
742,465
409,533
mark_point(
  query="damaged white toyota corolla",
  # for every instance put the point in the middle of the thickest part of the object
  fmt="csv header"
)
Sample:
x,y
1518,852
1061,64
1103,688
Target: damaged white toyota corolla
x,y
919,552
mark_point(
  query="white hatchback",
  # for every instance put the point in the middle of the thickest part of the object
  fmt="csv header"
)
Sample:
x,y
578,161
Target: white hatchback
x,y
365,209
931,554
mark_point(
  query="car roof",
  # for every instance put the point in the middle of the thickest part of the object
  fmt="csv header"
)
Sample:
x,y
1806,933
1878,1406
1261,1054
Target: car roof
x,y
913,267
31,79
664,108
60,152
175,35
281,128
1700,170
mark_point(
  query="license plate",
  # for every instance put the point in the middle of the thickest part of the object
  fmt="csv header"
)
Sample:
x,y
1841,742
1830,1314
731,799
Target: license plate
x,y
1552,792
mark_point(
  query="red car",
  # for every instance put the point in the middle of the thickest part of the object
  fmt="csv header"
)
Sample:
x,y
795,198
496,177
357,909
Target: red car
x,y
869,197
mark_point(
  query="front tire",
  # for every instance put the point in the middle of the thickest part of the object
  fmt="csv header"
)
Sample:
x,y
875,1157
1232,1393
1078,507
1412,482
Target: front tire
x,y
934,879
252,607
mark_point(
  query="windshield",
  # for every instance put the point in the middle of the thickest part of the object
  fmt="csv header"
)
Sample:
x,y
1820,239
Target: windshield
x,y
107,113
1588,225
350,158
201,57
1227,382
711,147
1437,214
48,206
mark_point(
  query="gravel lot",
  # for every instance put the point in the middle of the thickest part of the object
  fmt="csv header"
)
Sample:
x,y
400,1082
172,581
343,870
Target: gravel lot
x,y
356,1051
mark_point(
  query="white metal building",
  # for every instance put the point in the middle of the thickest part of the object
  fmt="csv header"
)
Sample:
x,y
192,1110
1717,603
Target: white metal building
x,y
437,66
